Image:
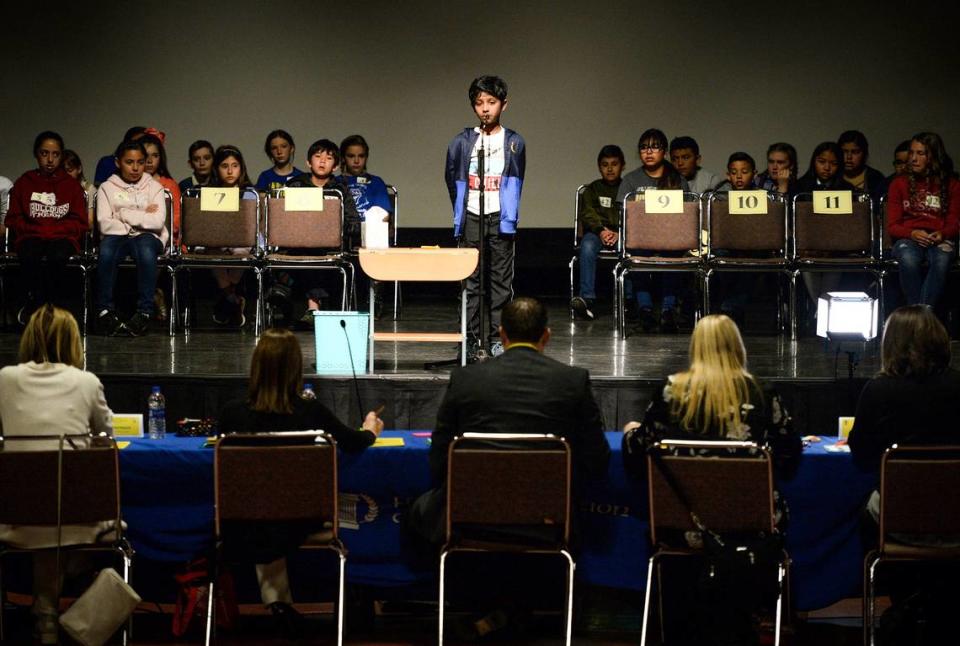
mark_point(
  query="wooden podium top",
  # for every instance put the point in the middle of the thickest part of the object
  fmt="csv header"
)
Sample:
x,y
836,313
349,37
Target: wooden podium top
x,y
419,264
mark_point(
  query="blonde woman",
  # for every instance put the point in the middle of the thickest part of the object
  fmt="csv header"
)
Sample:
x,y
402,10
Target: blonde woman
x,y
49,393
716,398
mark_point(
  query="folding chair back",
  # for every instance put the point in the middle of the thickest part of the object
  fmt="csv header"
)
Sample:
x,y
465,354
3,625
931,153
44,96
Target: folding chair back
x,y
280,477
305,229
644,231
730,492
920,491
760,232
839,234
532,472
201,228
28,481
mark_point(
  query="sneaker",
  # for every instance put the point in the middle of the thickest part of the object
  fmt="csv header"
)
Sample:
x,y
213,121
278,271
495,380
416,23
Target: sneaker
x,y
237,318
496,349
582,308
306,321
222,311
648,322
108,323
279,295
668,321
139,324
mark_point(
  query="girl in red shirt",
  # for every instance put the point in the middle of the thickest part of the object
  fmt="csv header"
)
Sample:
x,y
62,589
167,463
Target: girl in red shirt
x,y
923,211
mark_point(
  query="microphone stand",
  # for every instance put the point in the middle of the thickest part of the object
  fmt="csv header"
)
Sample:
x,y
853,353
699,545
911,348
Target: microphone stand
x,y
482,300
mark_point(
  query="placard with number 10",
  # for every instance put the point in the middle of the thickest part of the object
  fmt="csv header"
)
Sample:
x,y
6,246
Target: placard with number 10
x,y
663,201
747,202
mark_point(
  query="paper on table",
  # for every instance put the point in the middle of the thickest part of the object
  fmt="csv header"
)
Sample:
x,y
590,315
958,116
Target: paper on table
x,y
127,425
122,445
389,441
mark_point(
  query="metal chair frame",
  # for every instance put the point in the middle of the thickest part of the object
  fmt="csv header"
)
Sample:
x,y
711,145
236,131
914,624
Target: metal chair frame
x,y
335,261
630,262
779,261
302,440
932,461
868,256
18,486
189,260
663,499
515,440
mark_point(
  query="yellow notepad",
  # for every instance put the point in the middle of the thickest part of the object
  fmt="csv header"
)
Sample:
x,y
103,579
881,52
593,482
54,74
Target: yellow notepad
x,y
389,441
122,445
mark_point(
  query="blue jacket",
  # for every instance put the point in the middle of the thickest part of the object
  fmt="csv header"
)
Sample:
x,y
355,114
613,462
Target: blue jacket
x,y
511,183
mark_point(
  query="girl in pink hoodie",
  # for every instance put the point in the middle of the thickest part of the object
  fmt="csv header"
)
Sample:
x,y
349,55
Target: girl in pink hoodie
x,y
131,214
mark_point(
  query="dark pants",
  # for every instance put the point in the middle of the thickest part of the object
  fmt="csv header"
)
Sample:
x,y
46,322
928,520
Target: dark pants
x,y
144,250
498,260
44,280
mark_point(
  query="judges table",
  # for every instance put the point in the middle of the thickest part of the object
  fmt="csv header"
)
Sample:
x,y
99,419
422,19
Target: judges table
x,y
167,493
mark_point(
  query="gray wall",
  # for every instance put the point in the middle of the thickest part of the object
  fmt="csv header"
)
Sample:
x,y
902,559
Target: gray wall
x,y
398,73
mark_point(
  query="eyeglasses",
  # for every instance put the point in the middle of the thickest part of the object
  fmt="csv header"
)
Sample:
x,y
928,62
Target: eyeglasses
x,y
650,147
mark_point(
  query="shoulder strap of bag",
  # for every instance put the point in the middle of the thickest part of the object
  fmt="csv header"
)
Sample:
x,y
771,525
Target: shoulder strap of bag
x,y
681,495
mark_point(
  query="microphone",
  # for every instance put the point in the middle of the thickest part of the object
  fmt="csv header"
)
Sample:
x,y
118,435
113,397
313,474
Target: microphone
x,y
356,384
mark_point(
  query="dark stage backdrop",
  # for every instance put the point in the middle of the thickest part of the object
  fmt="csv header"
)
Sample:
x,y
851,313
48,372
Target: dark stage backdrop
x,y
581,75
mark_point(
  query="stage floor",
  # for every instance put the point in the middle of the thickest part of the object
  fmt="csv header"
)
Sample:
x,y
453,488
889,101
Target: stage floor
x,y
207,351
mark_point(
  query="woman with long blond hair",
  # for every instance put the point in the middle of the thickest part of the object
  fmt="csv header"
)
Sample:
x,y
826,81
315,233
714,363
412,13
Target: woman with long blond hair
x,y
715,398
49,393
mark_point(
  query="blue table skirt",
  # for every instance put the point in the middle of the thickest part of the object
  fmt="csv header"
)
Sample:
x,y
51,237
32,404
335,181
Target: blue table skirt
x,y
167,491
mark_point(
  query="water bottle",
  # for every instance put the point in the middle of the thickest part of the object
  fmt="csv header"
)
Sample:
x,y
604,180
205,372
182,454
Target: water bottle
x,y
157,416
307,392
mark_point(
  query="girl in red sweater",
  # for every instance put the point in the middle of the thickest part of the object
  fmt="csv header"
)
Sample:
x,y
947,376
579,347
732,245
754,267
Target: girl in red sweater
x,y
923,212
48,219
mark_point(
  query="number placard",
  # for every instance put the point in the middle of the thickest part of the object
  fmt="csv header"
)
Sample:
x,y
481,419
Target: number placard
x,y
219,198
833,202
747,202
303,199
660,201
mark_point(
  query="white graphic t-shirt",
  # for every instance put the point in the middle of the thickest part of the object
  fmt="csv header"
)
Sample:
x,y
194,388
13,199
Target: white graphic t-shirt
x,y
492,171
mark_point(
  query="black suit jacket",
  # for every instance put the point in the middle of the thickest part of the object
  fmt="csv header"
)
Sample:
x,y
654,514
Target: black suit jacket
x,y
522,391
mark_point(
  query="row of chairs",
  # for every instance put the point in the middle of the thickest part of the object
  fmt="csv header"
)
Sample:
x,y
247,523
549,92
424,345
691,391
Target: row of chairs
x,y
706,239
733,495
260,235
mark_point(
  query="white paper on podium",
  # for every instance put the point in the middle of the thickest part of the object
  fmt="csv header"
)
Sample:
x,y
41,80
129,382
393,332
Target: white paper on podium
x,y
375,229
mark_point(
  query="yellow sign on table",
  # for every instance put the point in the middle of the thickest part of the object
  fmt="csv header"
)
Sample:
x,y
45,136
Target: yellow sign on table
x,y
833,202
303,198
122,445
844,426
220,198
388,441
747,202
127,425
663,201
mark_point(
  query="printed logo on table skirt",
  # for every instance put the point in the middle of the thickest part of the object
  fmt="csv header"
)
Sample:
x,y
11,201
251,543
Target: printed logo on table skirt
x,y
357,509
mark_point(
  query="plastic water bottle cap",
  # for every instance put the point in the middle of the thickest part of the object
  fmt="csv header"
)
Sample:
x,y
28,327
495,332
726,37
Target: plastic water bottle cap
x,y
156,390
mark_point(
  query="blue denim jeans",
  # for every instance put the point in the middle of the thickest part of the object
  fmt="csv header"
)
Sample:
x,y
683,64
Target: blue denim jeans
x,y
917,288
144,250
590,247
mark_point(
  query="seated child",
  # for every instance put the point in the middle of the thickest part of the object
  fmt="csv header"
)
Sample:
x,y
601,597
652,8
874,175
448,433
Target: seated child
x,y
323,158
781,173
600,223
131,213
74,168
685,156
369,194
47,216
156,166
901,156
863,178
231,170
279,148
655,172
200,158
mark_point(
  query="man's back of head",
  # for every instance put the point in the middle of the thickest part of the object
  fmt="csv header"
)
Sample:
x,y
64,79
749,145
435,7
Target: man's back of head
x,y
524,320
